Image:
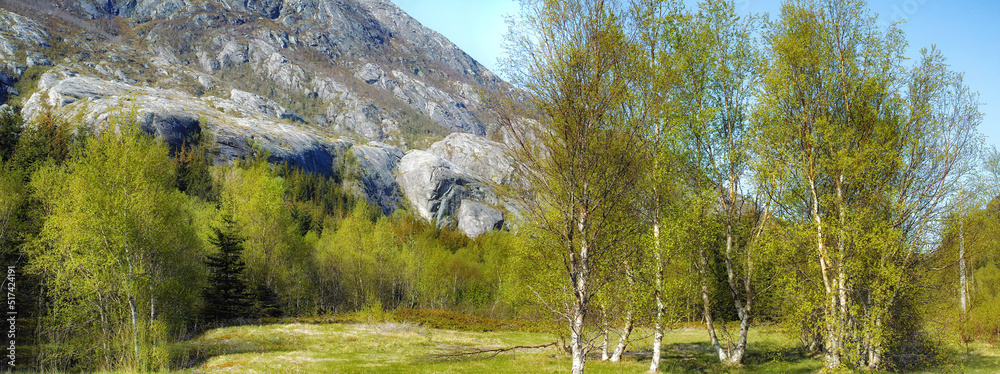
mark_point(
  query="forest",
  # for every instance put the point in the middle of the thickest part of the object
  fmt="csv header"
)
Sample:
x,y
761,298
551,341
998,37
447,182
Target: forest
x,y
673,165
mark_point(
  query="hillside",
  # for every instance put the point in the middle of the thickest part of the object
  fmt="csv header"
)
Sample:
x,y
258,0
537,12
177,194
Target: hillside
x,y
307,80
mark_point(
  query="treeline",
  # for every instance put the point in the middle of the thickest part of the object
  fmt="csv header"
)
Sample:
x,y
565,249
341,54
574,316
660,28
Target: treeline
x,y
122,248
679,162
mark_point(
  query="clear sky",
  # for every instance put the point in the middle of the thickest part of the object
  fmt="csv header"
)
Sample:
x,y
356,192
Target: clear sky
x,y
966,31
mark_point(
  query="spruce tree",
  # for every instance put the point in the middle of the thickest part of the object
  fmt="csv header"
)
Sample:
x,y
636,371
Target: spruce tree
x,y
10,131
226,296
266,303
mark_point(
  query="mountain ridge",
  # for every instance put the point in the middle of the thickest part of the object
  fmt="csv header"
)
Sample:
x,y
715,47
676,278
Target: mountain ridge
x,y
306,79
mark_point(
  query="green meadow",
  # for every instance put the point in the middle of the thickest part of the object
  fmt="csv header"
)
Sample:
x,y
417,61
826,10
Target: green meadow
x,y
406,347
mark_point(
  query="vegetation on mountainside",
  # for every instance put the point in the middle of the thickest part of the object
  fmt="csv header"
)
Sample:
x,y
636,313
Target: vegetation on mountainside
x,y
123,244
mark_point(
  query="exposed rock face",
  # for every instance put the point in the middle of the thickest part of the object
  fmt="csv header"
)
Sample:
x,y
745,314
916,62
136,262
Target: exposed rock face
x,y
478,156
475,218
308,80
425,41
434,186
19,38
173,126
385,73
175,116
257,103
450,183
377,162
19,34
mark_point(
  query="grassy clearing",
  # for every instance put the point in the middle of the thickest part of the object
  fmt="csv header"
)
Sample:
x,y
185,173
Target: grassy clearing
x,y
386,347
406,347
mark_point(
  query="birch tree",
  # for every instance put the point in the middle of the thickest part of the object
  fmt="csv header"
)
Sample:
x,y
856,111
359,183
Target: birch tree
x,y
658,24
571,141
869,155
718,61
114,251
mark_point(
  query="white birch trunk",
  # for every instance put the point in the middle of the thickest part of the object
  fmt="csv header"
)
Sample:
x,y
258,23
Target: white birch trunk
x,y
629,321
874,352
654,365
832,343
707,306
576,343
842,318
104,327
135,329
576,339
581,291
604,330
623,340
962,281
735,354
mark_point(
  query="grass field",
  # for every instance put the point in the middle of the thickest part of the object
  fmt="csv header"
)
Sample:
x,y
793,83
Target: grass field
x,y
387,347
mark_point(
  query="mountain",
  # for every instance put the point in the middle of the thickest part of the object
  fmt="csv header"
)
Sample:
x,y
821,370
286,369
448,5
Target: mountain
x,y
308,80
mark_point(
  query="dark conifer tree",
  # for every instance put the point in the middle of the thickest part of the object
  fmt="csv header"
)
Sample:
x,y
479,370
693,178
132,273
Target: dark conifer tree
x,y
226,296
266,302
194,175
10,131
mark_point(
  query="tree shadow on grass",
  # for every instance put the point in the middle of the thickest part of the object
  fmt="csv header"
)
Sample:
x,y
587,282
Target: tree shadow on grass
x,y
761,358
977,362
197,351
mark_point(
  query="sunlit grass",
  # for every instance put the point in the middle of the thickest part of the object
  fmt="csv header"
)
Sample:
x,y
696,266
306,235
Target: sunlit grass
x,y
387,347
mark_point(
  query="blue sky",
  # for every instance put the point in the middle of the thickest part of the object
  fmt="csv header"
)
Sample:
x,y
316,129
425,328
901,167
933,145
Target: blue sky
x,y
966,31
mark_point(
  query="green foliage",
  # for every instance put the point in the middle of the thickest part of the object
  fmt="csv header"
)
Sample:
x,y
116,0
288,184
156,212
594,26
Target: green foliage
x,y
315,198
970,234
808,183
254,197
10,131
48,137
266,303
982,316
576,165
400,262
193,167
845,141
12,197
22,216
116,244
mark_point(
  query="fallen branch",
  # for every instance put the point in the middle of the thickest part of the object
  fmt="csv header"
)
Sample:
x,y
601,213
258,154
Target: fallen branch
x,y
494,351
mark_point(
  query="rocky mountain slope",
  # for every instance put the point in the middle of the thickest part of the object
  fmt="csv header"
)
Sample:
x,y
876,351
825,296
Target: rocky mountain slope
x,y
309,80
